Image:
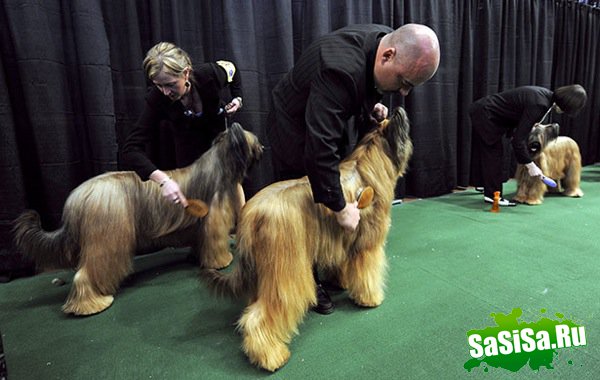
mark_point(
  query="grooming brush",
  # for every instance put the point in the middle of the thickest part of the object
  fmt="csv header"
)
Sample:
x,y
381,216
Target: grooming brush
x,y
548,181
365,197
197,208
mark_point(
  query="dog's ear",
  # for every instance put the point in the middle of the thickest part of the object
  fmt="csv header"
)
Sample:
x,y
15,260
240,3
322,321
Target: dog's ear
x,y
553,131
239,145
396,135
236,134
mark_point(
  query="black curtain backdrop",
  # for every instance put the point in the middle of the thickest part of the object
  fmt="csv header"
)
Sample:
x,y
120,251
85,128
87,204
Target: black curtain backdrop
x,y
71,82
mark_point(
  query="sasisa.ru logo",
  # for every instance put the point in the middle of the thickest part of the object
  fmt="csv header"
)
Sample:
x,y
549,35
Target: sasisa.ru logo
x,y
526,340
513,343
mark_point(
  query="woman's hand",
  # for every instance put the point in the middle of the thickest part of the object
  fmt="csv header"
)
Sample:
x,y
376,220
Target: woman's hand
x,y
533,169
170,190
233,106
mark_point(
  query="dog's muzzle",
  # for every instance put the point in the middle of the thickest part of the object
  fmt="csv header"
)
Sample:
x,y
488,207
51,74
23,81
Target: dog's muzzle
x,y
540,135
534,147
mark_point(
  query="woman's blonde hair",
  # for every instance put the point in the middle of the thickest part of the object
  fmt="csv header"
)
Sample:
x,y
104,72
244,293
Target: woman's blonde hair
x,y
168,57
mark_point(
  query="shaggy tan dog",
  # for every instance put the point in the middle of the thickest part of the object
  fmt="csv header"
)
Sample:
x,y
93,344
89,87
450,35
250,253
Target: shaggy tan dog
x,y
111,217
282,233
559,159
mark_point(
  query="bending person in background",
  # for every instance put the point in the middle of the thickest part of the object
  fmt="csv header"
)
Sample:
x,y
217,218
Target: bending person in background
x,y
514,113
333,93
190,99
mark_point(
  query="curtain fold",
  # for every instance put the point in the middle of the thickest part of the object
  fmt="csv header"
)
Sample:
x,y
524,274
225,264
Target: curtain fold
x,y
71,83
576,59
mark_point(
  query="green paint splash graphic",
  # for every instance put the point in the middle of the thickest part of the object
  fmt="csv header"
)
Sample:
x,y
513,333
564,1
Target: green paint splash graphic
x,y
514,343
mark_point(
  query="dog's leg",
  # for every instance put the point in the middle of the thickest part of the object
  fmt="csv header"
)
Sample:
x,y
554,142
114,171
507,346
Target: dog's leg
x,y
572,179
523,184
363,275
261,344
536,192
241,201
103,265
285,293
529,190
84,299
521,195
214,244
93,288
573,192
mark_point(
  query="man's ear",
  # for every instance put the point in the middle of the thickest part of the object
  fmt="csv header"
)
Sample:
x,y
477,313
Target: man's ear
x,y
388,54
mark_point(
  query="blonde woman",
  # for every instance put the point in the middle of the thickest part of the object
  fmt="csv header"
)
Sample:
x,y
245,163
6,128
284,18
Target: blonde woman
x,y
188,98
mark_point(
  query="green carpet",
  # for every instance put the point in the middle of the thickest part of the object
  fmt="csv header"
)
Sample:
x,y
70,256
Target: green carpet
x,y
452,264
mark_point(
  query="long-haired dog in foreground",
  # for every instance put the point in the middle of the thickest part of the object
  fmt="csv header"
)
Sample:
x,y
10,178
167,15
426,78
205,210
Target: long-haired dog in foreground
x,y
111,217
282,233
558,157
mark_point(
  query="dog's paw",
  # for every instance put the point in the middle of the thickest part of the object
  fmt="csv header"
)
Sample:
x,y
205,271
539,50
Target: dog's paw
x,y
220,261
367,301
369,304
533,202
273,364
275,357
89,306
577,193
519,199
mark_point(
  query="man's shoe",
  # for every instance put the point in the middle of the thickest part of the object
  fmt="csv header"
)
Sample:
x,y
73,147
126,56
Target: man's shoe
x,y
332,286
502,202
324,303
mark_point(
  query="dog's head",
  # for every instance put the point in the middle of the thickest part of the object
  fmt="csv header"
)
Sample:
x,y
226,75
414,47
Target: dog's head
x,y
243,145
540,136
235,150
395,129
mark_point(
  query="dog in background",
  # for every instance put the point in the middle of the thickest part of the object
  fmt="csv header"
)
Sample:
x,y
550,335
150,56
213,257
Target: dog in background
x,y
558,157
109,218
282,233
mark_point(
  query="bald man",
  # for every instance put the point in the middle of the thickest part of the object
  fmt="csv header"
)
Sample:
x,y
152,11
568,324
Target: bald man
x,y
333,93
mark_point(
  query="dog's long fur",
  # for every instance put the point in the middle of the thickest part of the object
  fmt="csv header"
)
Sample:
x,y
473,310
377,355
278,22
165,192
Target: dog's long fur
x,y
111,217
282,233
558,157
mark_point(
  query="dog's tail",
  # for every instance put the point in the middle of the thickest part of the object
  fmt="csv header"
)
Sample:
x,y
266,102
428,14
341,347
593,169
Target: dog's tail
x,y
47,249
240,282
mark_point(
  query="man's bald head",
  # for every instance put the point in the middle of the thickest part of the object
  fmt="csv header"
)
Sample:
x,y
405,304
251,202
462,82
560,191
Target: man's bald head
x,y
411,53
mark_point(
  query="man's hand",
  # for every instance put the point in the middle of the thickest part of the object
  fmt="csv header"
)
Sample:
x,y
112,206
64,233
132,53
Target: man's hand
x,y
380,112
349,216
